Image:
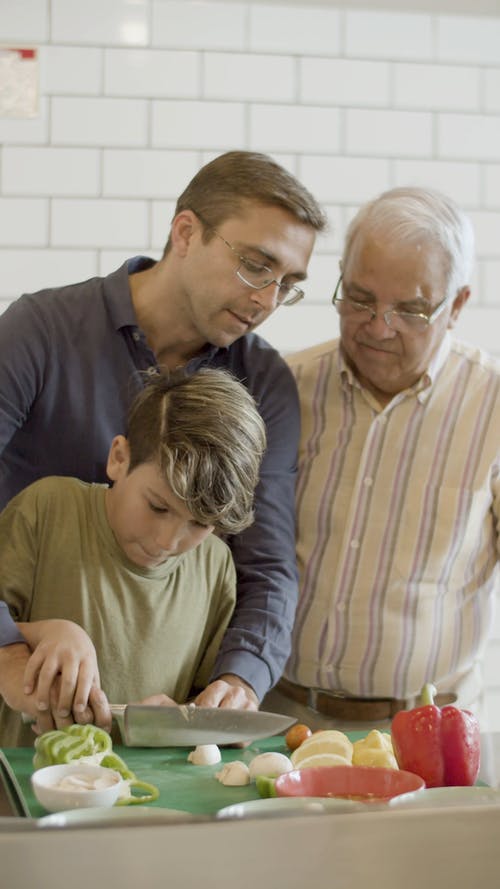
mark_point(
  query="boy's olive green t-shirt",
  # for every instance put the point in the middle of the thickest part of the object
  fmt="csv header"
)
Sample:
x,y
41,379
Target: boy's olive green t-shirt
x,y
154,630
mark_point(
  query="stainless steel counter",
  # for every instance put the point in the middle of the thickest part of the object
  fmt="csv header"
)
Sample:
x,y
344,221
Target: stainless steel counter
x,y
446,849
455,848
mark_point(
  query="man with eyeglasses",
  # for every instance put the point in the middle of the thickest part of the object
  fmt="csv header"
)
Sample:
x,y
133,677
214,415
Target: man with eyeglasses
x,y
398,495
72,359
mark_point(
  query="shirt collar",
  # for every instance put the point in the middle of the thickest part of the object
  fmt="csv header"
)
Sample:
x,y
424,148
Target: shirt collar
x,y
121,309
117,291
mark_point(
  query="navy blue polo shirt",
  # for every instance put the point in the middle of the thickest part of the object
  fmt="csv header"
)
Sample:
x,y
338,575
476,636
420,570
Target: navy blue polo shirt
x,y
71,360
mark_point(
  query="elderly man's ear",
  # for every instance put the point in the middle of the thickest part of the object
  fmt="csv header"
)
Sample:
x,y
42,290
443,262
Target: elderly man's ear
x,y
458,304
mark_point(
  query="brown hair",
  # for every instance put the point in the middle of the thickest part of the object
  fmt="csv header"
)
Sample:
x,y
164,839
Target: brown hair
x,y
221,188
208,438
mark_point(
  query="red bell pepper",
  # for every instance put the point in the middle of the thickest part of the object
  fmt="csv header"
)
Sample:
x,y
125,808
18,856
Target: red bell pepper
x,y
439,744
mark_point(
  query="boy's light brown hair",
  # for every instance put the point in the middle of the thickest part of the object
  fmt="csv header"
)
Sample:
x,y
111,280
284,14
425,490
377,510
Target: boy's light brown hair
x,y
208,438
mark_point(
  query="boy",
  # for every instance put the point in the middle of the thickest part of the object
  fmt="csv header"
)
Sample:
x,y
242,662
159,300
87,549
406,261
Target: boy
x,y
135,564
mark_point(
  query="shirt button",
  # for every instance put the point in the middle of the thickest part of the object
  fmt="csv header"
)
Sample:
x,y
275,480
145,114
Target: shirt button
x,y
136,335
368,482
382,419
354,544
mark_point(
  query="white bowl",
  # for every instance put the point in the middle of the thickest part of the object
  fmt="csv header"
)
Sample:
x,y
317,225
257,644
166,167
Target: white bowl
x,y
449,797
133,815
47,787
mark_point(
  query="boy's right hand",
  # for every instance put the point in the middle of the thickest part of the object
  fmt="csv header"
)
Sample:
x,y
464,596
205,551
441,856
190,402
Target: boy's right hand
x,y
63,675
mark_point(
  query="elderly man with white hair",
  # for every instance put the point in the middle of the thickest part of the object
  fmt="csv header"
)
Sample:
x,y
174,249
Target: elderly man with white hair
x,y
398,497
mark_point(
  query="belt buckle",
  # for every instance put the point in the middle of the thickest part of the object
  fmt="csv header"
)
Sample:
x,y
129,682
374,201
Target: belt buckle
x,y
312,696
388,703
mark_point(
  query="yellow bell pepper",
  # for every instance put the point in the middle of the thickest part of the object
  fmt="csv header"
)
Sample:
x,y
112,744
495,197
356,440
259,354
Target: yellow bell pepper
x,y
374,750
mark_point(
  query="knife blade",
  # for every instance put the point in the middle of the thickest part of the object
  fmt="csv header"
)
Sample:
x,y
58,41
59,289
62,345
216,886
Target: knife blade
x,y
148,725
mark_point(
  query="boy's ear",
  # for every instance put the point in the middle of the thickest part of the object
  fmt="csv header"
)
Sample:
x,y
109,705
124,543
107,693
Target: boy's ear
x,y
118,458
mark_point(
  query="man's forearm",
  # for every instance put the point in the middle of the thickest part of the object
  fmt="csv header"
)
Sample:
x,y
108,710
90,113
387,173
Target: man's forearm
x,y
13,660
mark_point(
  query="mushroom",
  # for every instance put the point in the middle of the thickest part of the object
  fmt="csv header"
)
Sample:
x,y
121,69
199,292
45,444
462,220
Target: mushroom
x,y
269,764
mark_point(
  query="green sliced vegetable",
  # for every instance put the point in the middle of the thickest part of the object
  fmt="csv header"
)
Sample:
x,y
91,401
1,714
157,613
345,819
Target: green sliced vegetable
x,y
151,793
73,742
77,741
266,787
113,761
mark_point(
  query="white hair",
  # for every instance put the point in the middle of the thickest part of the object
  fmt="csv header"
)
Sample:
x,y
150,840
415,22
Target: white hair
x,y
411,214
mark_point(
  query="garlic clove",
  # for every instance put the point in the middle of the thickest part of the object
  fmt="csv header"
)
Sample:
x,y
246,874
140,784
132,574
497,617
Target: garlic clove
x,y
234,774
205,755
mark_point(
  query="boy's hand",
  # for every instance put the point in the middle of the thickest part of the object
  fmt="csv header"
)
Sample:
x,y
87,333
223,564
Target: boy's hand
x,y
96,712
62,671
228,691
159,700
13,663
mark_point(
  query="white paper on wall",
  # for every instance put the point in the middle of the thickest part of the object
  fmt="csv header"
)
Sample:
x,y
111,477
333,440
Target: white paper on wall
x,y
18,82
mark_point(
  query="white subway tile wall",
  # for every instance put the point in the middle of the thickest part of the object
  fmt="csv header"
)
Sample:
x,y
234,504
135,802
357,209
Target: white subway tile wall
x,y
253,77
301,31
99,121
464,39
71,70
151,73
146,173
23,219
135,95
469,135
492,89
50,171
436,87
203,26
389,35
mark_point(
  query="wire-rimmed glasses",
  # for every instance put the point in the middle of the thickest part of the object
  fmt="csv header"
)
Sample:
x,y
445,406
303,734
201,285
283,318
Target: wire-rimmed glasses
x,y
396,319
258,276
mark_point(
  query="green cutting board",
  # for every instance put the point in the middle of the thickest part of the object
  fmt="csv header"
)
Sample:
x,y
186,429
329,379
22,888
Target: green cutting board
x,y
182,785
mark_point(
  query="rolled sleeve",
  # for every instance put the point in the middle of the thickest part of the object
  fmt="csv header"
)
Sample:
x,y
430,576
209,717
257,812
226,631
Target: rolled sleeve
x,y
9,633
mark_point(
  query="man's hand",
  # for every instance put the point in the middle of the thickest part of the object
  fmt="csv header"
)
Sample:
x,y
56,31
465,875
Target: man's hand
x,y
62,652
228,691
61,677
13,660
13,663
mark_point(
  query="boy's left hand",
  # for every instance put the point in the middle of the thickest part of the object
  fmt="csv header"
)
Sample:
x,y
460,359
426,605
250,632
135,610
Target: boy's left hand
x,y
228,691
96,712
62,669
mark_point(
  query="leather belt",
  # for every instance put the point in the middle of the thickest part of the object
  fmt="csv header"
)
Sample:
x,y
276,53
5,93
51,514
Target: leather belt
x,y
353,709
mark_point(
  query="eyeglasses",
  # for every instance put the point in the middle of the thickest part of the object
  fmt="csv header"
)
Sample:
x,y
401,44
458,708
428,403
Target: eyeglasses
x,y
404,322
258,276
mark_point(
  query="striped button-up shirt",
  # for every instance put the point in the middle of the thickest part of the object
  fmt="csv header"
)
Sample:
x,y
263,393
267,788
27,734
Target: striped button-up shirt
x,y
397,512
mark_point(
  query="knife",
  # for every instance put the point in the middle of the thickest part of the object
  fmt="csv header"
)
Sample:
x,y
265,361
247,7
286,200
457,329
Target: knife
x,y
148,725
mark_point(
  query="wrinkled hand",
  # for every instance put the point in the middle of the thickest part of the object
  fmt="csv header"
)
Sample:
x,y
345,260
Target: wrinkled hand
x,y
230,692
